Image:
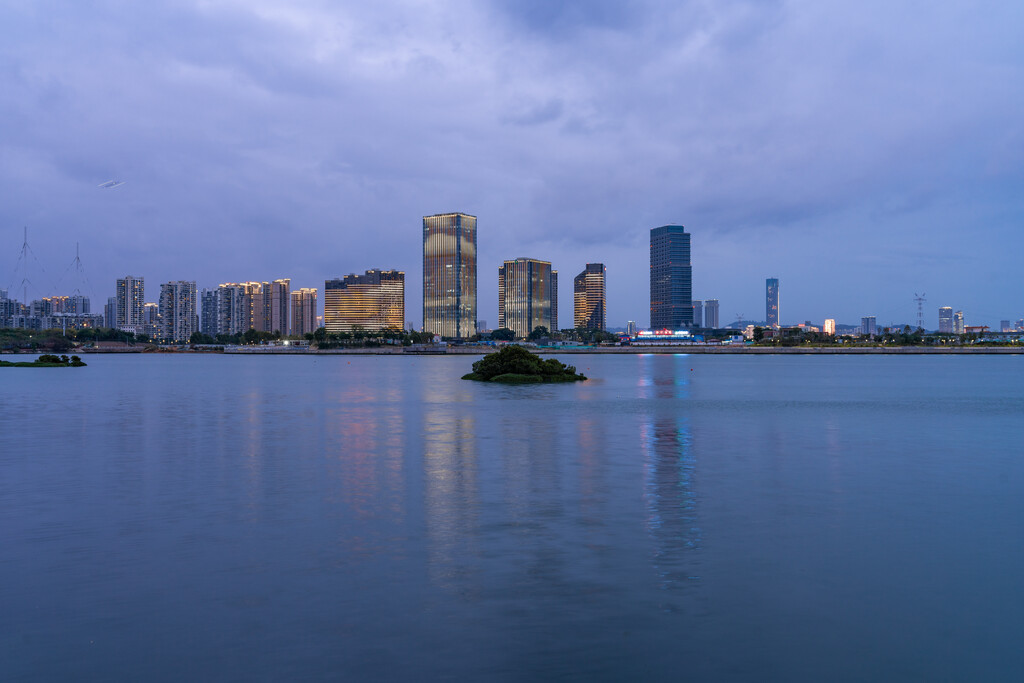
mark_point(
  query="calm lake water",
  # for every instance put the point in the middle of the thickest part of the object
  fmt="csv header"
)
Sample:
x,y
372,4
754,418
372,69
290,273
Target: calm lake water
x,y
691,518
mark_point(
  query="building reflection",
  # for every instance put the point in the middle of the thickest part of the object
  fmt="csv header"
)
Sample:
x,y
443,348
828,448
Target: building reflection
x,y
451,493
669,469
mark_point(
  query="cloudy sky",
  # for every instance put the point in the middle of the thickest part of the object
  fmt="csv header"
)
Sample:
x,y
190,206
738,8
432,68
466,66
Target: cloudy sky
x,y
860,152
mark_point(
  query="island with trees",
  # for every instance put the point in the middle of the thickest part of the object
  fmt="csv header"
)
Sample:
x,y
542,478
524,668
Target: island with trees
x,y
516,365
46,361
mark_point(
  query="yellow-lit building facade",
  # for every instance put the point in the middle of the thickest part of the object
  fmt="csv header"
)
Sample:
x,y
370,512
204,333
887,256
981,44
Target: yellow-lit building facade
x,y
527,296
449,275
374,301
589,307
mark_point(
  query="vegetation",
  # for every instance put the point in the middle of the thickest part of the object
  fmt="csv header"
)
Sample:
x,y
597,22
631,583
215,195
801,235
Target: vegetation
x,y
46,361
515,365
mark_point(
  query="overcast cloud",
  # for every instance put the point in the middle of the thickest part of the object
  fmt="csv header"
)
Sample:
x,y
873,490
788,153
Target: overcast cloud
x,y
860,152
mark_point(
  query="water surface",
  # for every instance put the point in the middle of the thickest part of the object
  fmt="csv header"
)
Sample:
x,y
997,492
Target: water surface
x,y
375,518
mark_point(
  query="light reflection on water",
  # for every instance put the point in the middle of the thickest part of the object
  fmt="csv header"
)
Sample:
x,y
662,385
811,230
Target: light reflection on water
x,y
240,518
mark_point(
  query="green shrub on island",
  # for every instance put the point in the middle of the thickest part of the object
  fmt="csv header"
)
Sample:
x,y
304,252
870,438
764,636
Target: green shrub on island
x,y
515,365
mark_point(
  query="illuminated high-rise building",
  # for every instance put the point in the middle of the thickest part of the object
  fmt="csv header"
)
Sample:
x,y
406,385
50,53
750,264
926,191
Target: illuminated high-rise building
x,y
151,319
771,302
589,304
711,314
527,296
374,301
671,278
830,326
449,275
208,312
946,320
958,322
278,296
234,307
177,311
304,311
130,295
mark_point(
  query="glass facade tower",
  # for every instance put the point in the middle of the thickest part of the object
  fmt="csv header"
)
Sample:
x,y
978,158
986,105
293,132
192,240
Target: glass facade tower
x,y
527,296
771,302
590,309
449,275
671,278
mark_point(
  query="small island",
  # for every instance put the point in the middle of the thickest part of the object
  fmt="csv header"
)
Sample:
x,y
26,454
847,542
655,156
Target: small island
x,y
516,365
46,361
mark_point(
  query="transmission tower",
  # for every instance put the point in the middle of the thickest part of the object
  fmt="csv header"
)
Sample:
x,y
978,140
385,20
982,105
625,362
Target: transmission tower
x,y
26,251
919,298
76,265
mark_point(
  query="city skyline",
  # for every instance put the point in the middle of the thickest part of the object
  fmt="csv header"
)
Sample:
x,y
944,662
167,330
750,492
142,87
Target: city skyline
x,y
844,150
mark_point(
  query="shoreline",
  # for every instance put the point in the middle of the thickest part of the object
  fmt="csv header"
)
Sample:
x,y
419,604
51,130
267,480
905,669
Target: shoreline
x,y
577,351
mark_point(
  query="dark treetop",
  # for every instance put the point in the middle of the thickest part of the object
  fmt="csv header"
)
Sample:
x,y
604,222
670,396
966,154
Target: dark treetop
x,y
514,364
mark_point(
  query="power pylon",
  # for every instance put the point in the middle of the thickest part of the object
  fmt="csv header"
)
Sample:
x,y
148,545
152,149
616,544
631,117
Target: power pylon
x,y
919,298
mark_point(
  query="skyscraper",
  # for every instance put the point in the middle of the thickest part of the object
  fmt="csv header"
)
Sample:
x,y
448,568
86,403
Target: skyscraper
x,y
449,275
711,314
830,326
130,295
698,313
151,320
234,308
589,304
868,325
946,320
671,278
374,301
208,312
278,295
304,311
178,319
958,322
527,296
771,302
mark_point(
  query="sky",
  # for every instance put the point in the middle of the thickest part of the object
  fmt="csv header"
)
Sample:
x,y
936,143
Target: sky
x,y
862,153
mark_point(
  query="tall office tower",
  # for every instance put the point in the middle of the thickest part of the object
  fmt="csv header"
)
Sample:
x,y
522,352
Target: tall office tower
x,y
234,308
946,320
208,312
374,301
554,301
771,302
671,278
151,320
131,295
110,313
303,311
525,293
178,319
589,304
631,328
958,322
711,314
698,313
449,275
278,294
868,325
830,326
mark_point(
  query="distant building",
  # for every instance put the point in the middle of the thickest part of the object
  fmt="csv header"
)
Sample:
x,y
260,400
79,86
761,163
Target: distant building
x,y
304,311
830,327
110,313
698,313
711,314
208,312
631,328
1004,326
958,322
449,275
374,301
527,296
671,278
771,302
151,320
233,304
946,320
130,295
177,310
278,297
868,325
589,305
